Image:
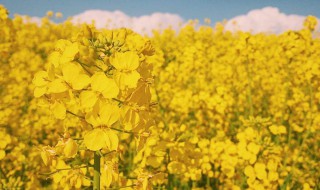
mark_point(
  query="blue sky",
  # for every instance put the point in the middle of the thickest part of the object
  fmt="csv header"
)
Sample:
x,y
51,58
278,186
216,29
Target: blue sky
x,y
275,16
187,9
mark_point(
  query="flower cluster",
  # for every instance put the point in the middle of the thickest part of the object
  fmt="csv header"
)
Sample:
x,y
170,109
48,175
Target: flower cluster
x,y
237,110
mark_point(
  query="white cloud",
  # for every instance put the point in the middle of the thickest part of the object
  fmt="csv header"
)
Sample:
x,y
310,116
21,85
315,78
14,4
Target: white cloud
x,y
117,19
268,19
34,19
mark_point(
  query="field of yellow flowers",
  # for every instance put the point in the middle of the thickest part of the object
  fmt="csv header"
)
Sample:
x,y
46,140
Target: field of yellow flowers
x,y
82,108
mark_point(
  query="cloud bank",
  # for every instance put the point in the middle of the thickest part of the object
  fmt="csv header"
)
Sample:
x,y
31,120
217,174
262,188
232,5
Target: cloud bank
x,y
268,19
28,19
117,19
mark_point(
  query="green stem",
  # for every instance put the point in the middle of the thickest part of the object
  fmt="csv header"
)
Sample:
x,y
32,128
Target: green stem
x,y
78,139
79,116
170,176
83,66
122,187
123,131
62,169
117,100
96,174
2,174
108,153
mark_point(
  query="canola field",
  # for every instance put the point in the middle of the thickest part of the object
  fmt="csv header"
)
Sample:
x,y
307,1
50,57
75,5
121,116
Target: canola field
x,y
202,108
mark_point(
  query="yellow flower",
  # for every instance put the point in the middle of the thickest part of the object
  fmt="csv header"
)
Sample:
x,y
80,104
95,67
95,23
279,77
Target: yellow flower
x,y
310,22
249,171
278,130
253,147
59,110
176,167
273,176
40,81
2,154
260,170
126,64
3,13
272,165
99,138
59,15
5,139
104,85
103,114
49,13
47,154
306,186
66,52
70,149
74,76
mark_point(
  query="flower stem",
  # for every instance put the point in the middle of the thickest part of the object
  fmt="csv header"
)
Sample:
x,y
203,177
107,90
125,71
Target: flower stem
x,y
96,175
